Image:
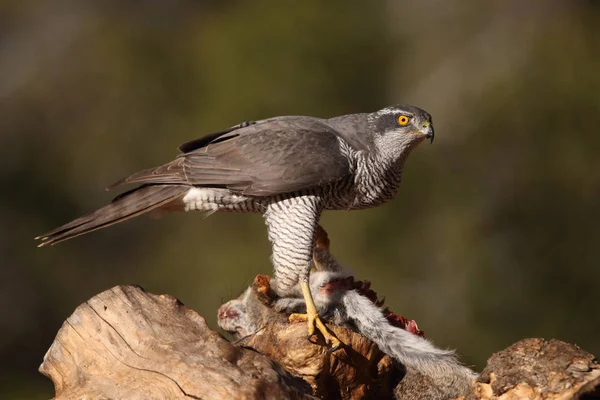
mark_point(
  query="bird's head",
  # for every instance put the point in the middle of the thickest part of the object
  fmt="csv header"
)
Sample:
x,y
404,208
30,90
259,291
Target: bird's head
x,y
400,128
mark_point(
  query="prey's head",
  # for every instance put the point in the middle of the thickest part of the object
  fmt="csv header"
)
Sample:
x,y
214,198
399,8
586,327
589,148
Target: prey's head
x,y
402,124
236,317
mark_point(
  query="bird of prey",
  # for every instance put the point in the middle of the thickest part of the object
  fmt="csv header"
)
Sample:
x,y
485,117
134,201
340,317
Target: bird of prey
x,y
288,168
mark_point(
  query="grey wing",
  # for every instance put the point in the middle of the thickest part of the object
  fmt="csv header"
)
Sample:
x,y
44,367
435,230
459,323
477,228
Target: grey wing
x,y
270,157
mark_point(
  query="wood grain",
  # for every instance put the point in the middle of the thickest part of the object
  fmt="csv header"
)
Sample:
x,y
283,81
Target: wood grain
x,y
128,344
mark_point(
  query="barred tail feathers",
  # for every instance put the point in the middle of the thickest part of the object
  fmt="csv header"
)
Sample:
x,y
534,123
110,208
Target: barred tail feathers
x,y
125,206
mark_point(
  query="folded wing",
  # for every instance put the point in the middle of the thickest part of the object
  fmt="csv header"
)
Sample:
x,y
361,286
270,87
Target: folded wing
x,y
270,157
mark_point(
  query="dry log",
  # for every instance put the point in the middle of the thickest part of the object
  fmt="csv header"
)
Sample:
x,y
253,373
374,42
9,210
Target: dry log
x,y
537,369
359,370
126,343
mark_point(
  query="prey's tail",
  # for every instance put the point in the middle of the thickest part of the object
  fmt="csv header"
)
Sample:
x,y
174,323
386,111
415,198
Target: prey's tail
x,y
415,352
127,205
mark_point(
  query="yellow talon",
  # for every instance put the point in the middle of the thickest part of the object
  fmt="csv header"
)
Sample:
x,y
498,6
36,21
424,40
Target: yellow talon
x,y
312,317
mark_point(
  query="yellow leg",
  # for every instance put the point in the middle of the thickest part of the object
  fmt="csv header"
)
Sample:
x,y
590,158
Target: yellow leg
x,y
313,318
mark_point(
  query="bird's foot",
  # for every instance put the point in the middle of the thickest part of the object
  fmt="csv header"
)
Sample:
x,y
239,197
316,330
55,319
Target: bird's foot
x,y
314,321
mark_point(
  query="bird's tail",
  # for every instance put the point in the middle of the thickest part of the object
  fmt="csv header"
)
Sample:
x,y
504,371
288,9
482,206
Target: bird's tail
x,y
127,205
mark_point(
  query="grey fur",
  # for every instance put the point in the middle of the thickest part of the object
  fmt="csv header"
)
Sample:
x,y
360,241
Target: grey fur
x,y
431,373
417,354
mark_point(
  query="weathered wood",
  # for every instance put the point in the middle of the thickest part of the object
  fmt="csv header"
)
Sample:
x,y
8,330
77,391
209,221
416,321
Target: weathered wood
x,y
539,369
356,371
128,344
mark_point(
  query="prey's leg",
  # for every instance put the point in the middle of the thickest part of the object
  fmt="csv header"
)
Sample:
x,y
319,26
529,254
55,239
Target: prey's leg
x,y
322,259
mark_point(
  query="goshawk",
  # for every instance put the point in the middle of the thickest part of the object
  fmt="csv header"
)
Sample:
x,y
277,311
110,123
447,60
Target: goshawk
x,y
288,168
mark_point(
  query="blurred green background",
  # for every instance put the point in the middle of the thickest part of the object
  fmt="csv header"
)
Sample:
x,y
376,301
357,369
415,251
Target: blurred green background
x,y
494,234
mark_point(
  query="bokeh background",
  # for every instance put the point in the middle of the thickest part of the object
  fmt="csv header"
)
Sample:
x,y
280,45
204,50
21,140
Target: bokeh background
x,y
493,237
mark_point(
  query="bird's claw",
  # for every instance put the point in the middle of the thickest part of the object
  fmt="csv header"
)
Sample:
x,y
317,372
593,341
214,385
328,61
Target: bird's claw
x,y
313,321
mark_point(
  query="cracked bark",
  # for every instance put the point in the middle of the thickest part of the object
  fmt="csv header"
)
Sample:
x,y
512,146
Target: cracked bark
x,y
539,369
126,343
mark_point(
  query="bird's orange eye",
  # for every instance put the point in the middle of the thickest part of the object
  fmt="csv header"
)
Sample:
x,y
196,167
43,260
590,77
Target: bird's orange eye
x,y
403,120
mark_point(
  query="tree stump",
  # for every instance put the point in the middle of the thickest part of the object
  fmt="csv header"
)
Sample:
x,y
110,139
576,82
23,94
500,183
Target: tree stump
x,y
126,343
539,369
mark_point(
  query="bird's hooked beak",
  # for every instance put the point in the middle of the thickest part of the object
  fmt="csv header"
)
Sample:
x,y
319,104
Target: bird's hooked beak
x,y
427,130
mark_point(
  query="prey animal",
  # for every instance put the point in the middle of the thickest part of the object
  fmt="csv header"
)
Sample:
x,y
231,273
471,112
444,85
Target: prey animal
x,y
431,373
289,168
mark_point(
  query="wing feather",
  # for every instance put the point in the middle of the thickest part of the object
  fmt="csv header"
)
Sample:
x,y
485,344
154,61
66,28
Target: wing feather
x,y
269,157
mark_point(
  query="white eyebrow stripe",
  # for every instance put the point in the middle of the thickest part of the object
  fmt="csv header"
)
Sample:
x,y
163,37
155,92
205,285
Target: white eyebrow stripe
x,y
387,111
